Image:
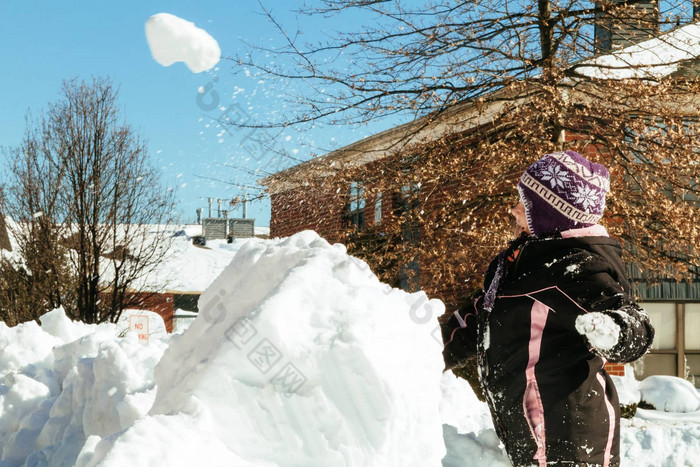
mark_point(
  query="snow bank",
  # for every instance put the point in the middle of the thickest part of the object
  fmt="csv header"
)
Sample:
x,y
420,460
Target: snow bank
x,y
299,356
172,39
670,394
70,381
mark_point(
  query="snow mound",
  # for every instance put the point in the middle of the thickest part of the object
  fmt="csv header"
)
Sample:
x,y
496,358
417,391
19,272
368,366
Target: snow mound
x,y
460,407
70,381
670,394
172,39
467,427
299,356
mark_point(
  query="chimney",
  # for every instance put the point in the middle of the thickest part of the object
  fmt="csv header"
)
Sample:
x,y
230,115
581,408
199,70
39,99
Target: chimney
x,y
211,204
621,23
218,208
245,208
199,215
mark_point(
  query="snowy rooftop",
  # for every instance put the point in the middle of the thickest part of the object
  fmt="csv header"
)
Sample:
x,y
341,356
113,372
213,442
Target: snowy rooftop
x,y
190,268
651,59
186,267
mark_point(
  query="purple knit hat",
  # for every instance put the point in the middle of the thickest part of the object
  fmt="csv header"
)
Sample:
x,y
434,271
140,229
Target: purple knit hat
x,y
563,191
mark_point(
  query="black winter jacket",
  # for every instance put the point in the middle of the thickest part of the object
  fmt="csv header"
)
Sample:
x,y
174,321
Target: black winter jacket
x,y
551,400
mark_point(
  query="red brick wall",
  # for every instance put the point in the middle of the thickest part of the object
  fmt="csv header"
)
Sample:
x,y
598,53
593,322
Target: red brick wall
x,y
616,369
161,303
308,208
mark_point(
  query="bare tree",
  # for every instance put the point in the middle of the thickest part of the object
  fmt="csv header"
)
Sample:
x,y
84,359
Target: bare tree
x,y
416,58
90,211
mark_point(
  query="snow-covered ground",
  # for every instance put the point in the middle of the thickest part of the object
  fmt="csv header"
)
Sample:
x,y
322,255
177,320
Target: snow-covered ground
x,y
299,357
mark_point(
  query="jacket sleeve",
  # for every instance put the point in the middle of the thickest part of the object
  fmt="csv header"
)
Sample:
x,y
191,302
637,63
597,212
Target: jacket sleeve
x,y
459,334
609,296
636,334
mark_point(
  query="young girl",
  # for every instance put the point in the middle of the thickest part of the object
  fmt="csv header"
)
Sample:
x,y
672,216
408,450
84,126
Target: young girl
x,y
555,307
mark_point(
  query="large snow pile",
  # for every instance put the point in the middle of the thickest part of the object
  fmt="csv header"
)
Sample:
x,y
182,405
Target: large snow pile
x,y
172,39
66,381
299,356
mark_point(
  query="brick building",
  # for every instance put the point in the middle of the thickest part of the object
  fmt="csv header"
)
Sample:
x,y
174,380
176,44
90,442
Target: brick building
x,y
297,205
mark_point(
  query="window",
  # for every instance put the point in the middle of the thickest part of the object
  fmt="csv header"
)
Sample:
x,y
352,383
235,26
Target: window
x,y
356,206
692,342
378,209
676,347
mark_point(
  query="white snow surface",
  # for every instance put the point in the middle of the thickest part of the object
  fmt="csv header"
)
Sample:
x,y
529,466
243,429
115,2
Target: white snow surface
x,y
669,394
651,59
189,268
299,357
600,329
172,39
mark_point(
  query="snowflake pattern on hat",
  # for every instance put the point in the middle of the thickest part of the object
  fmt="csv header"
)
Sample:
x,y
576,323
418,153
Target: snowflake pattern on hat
x,y
555,175
588,197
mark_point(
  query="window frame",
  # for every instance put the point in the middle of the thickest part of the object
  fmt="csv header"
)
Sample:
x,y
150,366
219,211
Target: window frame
x,y
680,351
357,204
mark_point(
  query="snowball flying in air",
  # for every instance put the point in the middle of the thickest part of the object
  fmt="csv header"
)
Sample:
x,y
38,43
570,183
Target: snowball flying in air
x,y
172,39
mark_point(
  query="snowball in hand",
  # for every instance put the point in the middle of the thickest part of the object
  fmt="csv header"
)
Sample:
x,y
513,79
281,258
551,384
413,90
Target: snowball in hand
x,y
600,329
172,39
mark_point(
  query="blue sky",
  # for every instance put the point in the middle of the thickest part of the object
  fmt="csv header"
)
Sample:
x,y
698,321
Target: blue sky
x,y
44,42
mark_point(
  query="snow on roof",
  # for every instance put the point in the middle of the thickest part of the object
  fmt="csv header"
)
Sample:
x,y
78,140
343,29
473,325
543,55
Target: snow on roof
x,y
189,268
172,39
651,59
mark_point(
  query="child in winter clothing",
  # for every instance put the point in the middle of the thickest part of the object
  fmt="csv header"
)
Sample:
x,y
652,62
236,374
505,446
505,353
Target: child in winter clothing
x,y
555,307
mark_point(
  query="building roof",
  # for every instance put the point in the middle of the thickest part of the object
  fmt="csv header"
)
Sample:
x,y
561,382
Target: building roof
x,y
456,118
